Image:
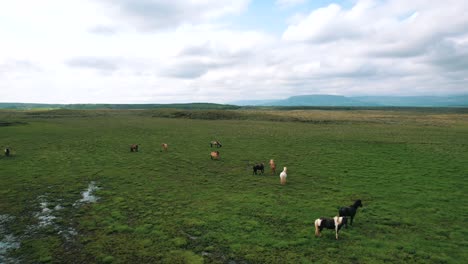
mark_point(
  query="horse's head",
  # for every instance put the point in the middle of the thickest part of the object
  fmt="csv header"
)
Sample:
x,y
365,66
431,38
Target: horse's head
x,y
358,203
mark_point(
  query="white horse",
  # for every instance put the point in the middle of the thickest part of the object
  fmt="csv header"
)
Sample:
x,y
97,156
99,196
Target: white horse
x,y
283,176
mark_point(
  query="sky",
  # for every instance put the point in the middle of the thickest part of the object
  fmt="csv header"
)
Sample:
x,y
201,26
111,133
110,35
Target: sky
x,y
179,51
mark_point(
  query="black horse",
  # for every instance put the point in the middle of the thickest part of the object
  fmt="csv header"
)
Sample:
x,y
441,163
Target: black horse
x,y
258,167
7,152
330,223
350,210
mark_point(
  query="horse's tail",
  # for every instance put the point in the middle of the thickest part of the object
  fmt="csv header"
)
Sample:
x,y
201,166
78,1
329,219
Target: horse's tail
x,y
317,225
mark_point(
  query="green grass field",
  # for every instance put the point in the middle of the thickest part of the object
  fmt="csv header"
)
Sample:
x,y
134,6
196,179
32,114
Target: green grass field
x,y
408,167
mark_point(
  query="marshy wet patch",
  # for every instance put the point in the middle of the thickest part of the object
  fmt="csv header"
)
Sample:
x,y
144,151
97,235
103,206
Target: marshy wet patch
x,y
8,241
51,215
88,195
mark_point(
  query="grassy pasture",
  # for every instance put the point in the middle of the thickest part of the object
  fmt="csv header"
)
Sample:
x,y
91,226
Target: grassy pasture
x,y
409,167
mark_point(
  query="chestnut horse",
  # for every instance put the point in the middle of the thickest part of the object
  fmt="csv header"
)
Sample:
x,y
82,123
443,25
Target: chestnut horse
x,y
214,155
272,167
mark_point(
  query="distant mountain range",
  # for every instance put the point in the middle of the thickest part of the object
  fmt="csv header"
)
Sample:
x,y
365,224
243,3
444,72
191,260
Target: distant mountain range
x,y
294,101
362,101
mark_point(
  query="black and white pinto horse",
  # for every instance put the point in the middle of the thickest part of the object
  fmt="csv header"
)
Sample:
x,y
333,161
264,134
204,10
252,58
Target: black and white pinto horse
x,y
350,211
336,223
215,143
258,167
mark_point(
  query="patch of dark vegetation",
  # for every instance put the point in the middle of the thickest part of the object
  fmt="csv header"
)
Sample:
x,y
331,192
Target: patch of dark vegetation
x,y
60,113
11,123
25,106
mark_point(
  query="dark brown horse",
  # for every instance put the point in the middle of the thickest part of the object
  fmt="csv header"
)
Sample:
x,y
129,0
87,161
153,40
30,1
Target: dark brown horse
x,y
258,167
134,148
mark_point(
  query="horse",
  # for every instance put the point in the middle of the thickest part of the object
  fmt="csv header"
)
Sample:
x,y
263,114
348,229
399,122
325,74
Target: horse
x,y
350,210
214,155
164,146
258,167
336,223
283,176
134,148
272,167
7,152
215,143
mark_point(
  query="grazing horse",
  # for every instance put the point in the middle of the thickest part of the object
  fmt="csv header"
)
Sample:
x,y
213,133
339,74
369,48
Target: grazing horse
x,y
283,176
164,146
215,143
215,155
258,167
7,152
272,167
336,223
134,148
350,210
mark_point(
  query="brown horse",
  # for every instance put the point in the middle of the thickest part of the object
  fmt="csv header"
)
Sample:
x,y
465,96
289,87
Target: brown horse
x,y
164,146
272,167
134,148
215,155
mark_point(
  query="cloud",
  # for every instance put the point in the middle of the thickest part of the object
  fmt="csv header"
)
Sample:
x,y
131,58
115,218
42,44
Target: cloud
x,y
97,63
162,52
104,30
17,67
289,3
160,14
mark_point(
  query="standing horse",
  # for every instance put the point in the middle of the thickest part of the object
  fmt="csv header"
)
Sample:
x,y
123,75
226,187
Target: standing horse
x,y
272,167
258,167
336,223
350,210
283,176
214,155
164,146
215,143
7,151
134,148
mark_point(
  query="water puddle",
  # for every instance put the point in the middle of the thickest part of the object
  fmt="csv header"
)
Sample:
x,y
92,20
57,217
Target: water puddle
x,y
88,195
45,216
7,241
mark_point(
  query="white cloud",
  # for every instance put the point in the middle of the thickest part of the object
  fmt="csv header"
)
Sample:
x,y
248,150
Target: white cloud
x,y
161,14
179,51
289,3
